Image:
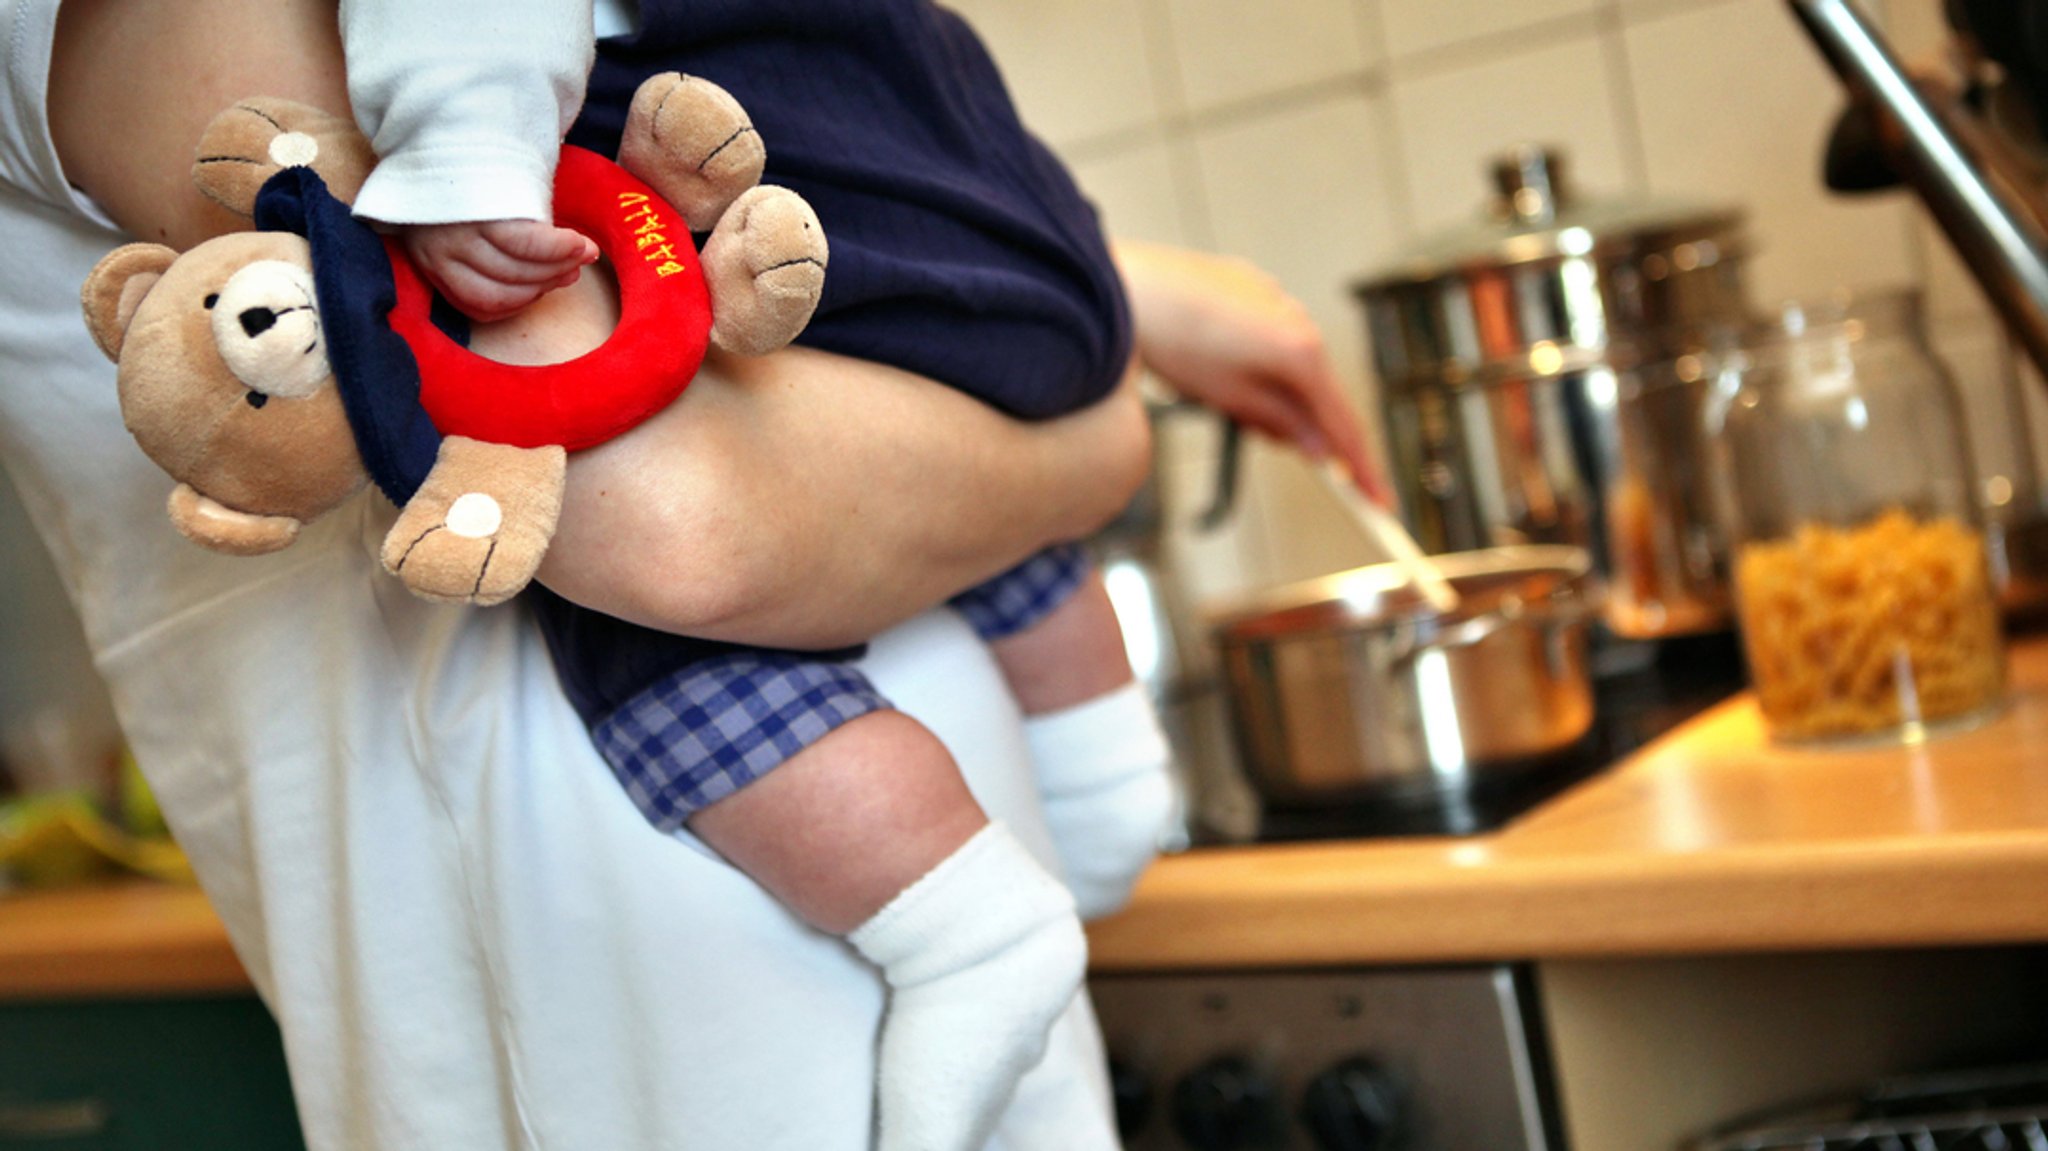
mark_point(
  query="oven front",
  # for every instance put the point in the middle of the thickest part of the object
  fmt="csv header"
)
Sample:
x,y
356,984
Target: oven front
x,y
1430,1059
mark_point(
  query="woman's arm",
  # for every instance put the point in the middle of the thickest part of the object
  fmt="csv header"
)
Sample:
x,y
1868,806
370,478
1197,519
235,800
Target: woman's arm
x,y
132,85
1225,334
806,501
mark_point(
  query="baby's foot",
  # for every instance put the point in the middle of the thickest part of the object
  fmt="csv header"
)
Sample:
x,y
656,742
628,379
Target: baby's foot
x,y
765,266
981,956
1103,772
692,142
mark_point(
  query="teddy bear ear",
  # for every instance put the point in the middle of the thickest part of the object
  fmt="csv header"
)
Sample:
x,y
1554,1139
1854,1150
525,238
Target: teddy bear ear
x,y
115,289
250,142
223,529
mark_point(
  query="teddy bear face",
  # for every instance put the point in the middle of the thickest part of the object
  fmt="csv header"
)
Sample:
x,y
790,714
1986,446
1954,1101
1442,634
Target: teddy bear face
x,y
225,382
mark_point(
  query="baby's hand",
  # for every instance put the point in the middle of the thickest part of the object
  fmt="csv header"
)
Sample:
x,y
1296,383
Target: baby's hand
x,y
494,269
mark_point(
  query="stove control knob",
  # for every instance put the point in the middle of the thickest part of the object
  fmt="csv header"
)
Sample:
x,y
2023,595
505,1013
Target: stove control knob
x,y
1226,1105
1132,1091
1353,1106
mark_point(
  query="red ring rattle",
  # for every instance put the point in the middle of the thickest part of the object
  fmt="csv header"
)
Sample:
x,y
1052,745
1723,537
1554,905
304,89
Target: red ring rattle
x,y
647,361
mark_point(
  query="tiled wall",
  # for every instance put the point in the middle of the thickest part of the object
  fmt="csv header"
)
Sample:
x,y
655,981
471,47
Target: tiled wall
x,y
1320,138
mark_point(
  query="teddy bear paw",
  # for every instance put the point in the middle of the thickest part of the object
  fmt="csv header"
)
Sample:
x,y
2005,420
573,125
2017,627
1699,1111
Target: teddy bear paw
x,y
459,553
765,266
250,142
692,142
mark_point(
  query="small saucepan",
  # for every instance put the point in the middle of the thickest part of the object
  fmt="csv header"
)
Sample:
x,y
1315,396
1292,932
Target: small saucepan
x,y
1351,687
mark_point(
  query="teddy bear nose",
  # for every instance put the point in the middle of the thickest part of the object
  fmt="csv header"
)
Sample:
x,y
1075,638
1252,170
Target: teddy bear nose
x,y
256,321
266,327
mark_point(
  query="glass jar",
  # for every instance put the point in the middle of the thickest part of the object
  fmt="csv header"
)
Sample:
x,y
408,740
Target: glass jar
x,y
1862,587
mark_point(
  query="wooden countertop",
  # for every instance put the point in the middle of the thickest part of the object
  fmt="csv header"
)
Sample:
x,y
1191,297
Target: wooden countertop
x,y
134,938
1707,841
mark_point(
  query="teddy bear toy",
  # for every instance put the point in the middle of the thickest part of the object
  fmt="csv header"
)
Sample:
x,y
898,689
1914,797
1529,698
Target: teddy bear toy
x,y
275,373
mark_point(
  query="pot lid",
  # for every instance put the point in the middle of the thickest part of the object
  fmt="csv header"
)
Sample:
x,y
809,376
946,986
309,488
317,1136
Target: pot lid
x,y
1535,217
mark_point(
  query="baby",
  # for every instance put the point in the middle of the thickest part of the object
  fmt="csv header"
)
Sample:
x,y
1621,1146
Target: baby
x,y
961,252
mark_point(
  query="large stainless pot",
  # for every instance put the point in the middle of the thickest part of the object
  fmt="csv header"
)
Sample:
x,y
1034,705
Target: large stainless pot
x,y
1541,385
1349,686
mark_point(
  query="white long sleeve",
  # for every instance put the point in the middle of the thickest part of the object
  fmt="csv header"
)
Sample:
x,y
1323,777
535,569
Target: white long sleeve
x,y
465,104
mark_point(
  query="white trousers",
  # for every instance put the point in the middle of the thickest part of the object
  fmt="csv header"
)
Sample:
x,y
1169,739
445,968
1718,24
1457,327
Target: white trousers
x,y
468,934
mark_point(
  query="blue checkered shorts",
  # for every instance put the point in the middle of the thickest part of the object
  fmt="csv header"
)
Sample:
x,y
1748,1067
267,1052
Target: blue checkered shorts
x,y
714,727
1027,593
701,733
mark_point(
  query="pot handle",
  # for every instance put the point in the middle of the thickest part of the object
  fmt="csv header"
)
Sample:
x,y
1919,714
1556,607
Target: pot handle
x,y
1554,615
1228,455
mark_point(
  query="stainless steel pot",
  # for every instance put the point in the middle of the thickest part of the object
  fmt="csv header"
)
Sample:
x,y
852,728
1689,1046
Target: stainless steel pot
x,y
1542,384
1349,686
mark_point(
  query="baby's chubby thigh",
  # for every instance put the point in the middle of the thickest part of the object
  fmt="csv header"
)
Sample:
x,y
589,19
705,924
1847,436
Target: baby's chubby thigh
x,y
661,525
731,514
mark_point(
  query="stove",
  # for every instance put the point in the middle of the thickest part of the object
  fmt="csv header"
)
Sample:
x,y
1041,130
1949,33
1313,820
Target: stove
x,y
1406,1060
1376,1059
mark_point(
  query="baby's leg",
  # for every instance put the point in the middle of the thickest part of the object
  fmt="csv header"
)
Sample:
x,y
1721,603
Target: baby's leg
x,y
1097,750
871,833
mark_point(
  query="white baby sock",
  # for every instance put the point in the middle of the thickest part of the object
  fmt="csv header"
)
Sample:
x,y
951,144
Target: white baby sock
x,y
1102,774
981,955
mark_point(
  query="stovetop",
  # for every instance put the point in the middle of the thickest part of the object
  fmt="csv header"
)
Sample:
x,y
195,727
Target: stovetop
x,y
1640,691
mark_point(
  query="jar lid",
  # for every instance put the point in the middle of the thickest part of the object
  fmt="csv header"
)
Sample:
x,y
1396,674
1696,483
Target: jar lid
x,y
1535,217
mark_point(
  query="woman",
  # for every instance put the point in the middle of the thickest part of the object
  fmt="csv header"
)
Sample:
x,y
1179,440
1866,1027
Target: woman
x,y
468,935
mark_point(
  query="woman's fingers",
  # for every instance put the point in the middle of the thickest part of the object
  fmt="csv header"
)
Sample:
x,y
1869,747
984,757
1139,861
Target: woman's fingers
x,y
1341,429
1268,410
1226,334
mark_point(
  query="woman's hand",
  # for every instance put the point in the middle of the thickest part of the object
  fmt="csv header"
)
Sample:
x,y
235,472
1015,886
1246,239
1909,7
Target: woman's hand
x,y
1225,334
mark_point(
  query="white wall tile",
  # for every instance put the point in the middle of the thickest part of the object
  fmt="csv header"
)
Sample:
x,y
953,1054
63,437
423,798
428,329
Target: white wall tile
x,y
1306,533
1420,25
1077,68
1952,292
1135,191
1735,107
1452,122
1302,193
2036,392
1916,29
1980,361
1647,9
1224,56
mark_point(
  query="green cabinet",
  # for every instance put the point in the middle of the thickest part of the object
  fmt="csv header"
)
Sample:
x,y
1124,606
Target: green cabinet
x,y
144,1075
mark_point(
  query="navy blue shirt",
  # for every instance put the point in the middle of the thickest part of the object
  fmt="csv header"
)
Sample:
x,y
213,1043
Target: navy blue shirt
x,y
961,249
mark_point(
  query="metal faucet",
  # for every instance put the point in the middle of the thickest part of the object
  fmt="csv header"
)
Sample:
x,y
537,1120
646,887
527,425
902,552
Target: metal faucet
x,y
1977,189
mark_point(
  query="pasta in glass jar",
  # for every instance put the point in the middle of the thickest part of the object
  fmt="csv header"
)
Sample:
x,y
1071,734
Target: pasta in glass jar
x,y
1862,585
